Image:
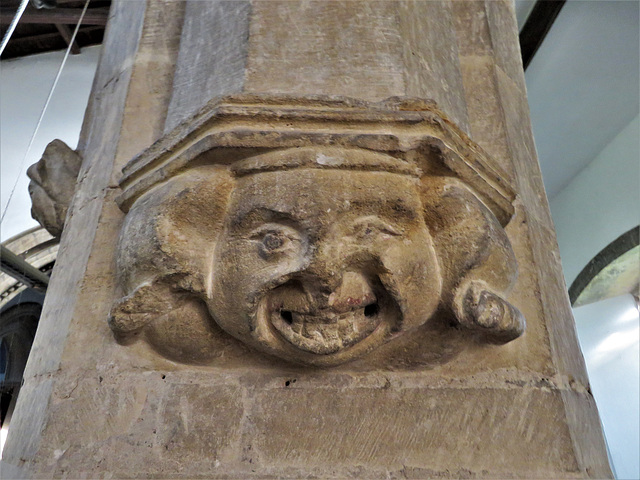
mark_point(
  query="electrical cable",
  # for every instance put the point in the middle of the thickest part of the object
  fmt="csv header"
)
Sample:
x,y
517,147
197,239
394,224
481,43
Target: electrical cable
x,y
12,25
44,109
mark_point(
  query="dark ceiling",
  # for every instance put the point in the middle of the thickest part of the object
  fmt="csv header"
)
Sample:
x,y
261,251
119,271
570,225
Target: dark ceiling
x,y
48,29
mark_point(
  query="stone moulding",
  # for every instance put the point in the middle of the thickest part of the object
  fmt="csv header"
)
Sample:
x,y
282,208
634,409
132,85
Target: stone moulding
x,y
312,228
399,125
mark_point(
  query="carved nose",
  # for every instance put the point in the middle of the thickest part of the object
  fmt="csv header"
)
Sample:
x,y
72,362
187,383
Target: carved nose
x,y
353,293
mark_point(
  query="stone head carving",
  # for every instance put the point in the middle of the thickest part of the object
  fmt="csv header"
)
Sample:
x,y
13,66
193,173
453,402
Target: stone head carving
x,y
53,182
313,251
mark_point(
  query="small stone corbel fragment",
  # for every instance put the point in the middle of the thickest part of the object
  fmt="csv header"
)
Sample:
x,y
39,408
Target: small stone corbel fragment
x,y
314,229
53,182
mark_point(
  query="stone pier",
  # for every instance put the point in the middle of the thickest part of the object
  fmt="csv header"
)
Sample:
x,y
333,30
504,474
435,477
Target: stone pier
x,y
308,240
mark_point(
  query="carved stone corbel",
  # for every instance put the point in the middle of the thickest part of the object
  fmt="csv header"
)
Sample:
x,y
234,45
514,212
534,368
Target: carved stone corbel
x,y
53,183
314,229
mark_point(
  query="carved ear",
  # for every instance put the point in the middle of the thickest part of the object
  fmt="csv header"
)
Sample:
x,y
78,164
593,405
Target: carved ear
x,y
166,244
476,259
132,312
477,307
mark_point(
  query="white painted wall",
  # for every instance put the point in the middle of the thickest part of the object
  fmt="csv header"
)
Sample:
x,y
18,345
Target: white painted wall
x,y
608,333
583,85
600,203
596,207
24,86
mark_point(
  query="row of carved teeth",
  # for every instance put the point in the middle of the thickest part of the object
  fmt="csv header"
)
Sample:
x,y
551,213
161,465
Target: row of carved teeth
x,y
328,333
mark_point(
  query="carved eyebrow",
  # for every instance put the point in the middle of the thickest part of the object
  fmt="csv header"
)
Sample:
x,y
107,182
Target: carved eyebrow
x,y
381,224
260,215
389,208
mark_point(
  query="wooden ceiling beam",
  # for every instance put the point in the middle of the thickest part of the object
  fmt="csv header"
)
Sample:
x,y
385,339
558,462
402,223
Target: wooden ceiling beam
x,y
65,32
64,16
537,26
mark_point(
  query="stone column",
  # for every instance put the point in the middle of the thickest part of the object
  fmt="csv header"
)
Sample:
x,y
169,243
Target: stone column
x,y
142,365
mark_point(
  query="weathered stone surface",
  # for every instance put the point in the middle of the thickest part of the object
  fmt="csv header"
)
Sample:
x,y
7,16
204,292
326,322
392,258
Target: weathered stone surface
x,y
413,421
273,423
101,129
218,70
152,78
53,181
318,253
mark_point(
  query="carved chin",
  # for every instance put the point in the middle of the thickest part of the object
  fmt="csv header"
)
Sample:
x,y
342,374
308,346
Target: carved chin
x,y
327,331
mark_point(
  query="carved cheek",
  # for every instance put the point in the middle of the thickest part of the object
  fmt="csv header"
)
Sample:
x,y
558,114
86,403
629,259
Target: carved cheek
x,y
243,272
413,275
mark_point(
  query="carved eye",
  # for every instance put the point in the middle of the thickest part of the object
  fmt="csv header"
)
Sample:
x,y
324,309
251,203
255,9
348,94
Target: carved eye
x,y
374,227
273,240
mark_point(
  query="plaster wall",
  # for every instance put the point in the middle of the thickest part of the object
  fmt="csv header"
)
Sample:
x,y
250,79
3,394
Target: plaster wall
x,y
582,85
608,333
600,203
24,86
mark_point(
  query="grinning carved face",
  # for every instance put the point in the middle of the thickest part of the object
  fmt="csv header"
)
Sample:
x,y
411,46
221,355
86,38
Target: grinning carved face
x,y
324,230
321,266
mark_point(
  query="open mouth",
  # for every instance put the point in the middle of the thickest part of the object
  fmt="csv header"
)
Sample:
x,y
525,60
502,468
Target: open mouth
x,y
326,332
322,331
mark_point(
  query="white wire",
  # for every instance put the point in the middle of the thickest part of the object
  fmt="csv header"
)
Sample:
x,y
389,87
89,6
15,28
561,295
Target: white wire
x,y
12,25
44,109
